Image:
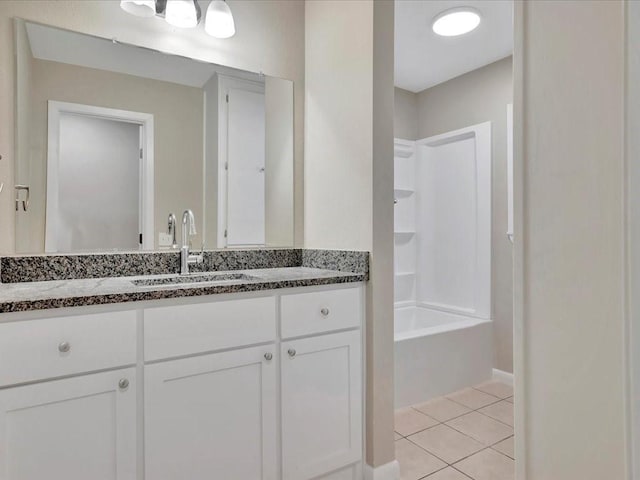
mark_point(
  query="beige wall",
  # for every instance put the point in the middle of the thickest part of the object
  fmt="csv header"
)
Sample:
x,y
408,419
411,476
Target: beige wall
x,y
177,114
570,320
476,97
405,114
278,162
269,39
348,176
633,206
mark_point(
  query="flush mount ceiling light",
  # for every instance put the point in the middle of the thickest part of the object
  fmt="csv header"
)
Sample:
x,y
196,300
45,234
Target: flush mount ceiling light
x,y
139,8
186,14
456,21
219,21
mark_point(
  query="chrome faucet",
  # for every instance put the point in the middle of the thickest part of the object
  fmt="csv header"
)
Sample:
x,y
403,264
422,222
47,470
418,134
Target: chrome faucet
x,y
187,258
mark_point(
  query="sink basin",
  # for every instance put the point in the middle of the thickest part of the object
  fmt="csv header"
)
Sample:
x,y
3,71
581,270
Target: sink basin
x,y
192,278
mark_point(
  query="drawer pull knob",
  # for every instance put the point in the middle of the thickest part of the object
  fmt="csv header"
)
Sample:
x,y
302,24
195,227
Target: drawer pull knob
x,y
291,352
64,347
268,356
325,312
123,383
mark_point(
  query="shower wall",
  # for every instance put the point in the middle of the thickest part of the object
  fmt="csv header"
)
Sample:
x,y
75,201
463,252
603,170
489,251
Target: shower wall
x,y
478,96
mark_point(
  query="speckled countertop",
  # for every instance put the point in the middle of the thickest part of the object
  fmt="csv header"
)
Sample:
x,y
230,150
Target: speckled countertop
x,y
27,296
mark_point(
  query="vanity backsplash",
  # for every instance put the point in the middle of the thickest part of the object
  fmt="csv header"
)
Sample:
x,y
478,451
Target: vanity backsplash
x,y
39,268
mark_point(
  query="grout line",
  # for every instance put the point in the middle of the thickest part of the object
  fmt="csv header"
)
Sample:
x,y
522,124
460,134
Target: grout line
x,y
460,471
493,395
485,446
492,418
430,453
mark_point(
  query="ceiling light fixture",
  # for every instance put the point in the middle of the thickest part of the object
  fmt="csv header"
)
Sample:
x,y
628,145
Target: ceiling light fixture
x,y
139,8
456,21
182,13
219,21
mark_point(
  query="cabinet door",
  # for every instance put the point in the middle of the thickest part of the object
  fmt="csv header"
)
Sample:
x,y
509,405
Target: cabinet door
x,y
321,404
212,417
74,429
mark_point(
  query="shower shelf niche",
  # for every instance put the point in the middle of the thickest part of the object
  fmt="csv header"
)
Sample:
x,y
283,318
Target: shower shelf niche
x,y
405,221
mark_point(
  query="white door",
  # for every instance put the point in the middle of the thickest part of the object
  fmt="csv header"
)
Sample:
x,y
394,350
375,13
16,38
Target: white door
x,y
246,168
212,417
75,429
98,184
321,404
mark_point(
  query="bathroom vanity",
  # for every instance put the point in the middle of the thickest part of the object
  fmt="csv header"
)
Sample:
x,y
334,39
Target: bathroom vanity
x,y
176,382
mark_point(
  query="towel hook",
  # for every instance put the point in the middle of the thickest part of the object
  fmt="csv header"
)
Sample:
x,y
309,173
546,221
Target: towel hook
x,y
25,202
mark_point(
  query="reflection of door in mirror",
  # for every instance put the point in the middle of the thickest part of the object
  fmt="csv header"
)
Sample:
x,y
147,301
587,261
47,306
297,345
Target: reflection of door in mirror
x,y
96,171
241,192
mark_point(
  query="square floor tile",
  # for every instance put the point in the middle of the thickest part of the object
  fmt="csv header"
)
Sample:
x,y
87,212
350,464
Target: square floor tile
x,y
487,465
506,447
408,421
414,462
447,444
497,389
442,409
510,399
397,436
482,428
501,411
472,398
447,474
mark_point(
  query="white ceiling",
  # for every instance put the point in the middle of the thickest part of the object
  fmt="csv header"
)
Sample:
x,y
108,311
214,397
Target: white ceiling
x,y
424,59
53,44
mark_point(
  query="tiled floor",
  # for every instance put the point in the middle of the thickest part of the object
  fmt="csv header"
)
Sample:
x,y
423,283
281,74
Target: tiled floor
x,y
467,434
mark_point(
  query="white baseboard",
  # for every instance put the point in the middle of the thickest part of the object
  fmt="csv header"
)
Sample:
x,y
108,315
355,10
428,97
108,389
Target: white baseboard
x,y
502,376
388,471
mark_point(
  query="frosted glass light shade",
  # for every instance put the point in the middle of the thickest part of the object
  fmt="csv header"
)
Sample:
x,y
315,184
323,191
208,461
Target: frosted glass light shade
x,y
181,13
139,8
219,20
456,21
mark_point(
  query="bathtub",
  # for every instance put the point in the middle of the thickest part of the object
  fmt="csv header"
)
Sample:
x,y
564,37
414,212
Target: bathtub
x,y
437,352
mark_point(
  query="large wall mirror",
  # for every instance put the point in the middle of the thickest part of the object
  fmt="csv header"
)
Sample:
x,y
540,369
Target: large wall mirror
x,y
113,138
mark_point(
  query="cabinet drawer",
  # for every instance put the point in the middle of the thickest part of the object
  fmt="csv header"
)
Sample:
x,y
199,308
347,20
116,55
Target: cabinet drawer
x,y
53,347
318,312
205,327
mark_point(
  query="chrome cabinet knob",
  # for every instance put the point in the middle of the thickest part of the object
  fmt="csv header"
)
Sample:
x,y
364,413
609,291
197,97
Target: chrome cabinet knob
x,y
64,347
325,312
268,356
291,352
123,383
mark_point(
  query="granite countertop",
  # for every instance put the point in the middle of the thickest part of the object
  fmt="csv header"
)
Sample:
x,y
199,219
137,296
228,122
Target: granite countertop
x,y
27,296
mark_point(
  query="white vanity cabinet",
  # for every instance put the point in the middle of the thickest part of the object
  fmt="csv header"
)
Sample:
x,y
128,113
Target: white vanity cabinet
x,y
212,416
249,386
321,404
72,429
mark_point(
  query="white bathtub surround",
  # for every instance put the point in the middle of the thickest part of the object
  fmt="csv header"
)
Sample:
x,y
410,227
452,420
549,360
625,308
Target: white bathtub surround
x,y
443,328
438,352
388,471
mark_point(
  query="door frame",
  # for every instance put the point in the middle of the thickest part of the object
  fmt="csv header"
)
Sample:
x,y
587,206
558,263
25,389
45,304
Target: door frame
x,y
483,174
225,83
146,192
